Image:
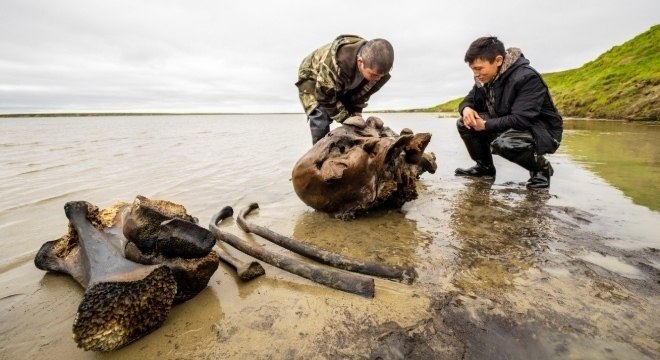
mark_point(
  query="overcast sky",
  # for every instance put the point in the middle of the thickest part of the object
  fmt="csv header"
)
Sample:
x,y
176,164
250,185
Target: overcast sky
x,y
243,56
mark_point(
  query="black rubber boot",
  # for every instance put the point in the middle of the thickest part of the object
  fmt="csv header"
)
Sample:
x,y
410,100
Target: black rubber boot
x,y
319,124
478,146
540,179
476,171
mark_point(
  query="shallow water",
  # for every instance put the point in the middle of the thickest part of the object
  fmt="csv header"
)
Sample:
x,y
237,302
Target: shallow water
x,y
504,272
625,154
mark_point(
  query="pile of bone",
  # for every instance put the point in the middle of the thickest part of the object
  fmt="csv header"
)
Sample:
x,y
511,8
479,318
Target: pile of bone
x,y
134,261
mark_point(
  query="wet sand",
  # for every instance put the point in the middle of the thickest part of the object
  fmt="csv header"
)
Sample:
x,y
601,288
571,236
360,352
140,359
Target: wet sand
x,y
572,272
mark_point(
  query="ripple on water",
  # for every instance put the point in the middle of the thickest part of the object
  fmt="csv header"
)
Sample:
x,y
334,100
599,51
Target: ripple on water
x,y
655,264
557,272
613,264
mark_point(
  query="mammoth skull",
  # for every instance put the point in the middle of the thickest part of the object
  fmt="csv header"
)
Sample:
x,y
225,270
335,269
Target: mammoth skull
x,y
354,169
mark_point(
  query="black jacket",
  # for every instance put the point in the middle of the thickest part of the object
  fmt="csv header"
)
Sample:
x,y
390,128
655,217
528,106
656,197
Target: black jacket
x,y
522,102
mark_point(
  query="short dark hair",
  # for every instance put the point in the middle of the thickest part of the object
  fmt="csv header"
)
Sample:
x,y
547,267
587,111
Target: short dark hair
x,y
378,55
485,48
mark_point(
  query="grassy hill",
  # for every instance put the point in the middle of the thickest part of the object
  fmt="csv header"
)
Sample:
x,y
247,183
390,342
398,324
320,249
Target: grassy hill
x,y
449,106
622,83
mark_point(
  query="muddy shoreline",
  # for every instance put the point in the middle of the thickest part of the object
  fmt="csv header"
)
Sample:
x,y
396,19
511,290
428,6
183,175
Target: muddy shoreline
x,y
520,286
504,272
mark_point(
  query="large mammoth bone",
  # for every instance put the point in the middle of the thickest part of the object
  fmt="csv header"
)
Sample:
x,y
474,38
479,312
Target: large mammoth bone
x,y
354,169
123,300
333,278
129,290
403,273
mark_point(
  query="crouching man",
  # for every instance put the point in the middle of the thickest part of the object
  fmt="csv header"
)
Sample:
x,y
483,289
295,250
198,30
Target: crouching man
x,y
508,112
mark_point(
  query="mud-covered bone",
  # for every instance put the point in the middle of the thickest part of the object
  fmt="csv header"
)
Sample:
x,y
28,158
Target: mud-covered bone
x,y
175,240
181,238
352,169
182,245
143,224
123,300
191,275
246,271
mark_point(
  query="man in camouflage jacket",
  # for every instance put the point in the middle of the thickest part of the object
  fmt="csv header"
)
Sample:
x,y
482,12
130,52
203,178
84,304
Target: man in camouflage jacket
x,y
336,80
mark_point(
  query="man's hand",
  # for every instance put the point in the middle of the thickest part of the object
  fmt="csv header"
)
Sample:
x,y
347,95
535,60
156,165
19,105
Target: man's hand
x,y
470,118
480,124
355,120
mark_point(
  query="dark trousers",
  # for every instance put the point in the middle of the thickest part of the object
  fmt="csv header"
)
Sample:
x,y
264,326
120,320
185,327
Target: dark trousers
x,y
319,124
514,145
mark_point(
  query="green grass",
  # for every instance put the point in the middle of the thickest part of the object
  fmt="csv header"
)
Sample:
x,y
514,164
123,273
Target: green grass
x,y
622,83
450,106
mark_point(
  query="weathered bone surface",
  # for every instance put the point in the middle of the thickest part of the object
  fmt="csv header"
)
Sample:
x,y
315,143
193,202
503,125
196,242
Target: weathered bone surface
x,y
128,293
162,232
191,275
123,300
160,226
352,170
404,274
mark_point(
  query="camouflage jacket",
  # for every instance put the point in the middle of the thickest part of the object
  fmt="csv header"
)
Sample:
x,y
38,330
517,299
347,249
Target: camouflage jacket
x,y
325,74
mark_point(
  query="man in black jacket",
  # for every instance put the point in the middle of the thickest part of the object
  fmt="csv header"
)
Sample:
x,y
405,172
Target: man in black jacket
x,y
508,112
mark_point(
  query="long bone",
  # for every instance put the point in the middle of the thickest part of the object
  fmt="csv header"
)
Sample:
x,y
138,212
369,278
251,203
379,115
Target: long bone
x,y
245,270
333,278
403,273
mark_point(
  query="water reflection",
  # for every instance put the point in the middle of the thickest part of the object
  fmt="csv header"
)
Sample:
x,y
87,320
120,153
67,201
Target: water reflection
x,y
500,231
383,236
625,154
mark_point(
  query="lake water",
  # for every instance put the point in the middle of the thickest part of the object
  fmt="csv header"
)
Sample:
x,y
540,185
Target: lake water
x,y
489,245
